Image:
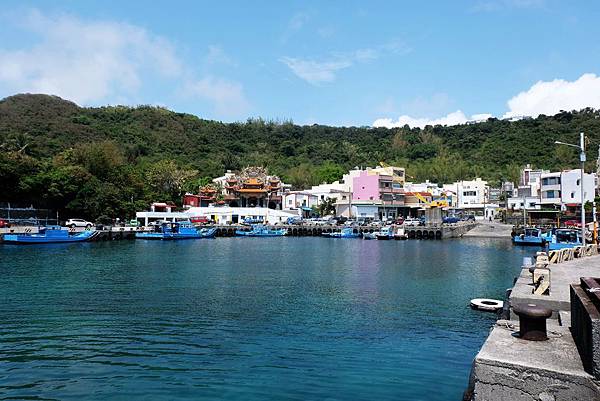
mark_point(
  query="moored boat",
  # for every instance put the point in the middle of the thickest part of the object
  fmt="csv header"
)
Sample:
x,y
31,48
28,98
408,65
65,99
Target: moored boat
x,y
531,236
400,234
385,233
208,232
343,233
564,238
171,231
369,236
49,235
259,230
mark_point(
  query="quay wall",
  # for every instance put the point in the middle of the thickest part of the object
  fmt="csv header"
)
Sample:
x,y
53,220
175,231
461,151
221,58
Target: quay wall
x,y
510,368
431,232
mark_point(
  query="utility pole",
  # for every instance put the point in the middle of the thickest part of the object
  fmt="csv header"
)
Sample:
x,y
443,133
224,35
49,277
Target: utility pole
x,y
581,148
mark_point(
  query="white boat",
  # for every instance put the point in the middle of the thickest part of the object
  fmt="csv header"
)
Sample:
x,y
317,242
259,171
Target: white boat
x,y
400,234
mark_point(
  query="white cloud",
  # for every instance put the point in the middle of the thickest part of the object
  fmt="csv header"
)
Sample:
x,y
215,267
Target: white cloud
x,y
553,96
315,72
85,61
544,97
455,118
216,55
92,62
227,96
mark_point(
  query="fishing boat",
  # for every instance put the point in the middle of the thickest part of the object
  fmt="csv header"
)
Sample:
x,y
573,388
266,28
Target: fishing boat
x,y
49,235
259,230
564,238
171,231
400,234
344,233
369,236
207,232
530,236
385,233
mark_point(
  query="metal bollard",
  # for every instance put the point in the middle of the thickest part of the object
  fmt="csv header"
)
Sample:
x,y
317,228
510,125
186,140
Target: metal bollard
x,y
532,321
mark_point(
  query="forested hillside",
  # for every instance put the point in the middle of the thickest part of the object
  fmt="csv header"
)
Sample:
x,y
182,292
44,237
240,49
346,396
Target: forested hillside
x,y
114,160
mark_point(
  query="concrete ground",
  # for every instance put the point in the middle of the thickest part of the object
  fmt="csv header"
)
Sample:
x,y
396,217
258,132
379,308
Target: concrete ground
x,y
561,276
509,368
490,230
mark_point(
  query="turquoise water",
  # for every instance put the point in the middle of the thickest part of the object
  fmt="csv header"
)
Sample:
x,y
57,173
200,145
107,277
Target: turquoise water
x,y
246,318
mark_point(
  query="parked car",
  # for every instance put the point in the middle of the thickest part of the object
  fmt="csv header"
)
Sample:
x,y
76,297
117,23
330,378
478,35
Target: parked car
x,y
349,223
4,223
250,220
411,222
296,220
450,220
133,223
572,223
200,220
157,223
78,223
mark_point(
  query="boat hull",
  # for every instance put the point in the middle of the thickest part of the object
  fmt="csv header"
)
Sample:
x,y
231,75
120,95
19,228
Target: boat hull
x,y
23,239
529,241
251,234
166,237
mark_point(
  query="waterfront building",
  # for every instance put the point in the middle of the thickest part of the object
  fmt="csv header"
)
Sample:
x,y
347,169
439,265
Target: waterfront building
x,y
250,187
300,200
562,190
221,215
379,189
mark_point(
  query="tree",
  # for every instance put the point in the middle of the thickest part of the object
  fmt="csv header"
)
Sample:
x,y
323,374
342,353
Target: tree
x,y
327,207
168,180
329,172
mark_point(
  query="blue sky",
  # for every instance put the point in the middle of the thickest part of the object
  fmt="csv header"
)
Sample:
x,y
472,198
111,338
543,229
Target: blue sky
x,y
335,62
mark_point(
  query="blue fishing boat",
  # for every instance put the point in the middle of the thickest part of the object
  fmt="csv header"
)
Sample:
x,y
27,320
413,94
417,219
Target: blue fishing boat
x,y
385,233
564,238
207,232
344,233
531,236
259,230
171,231
369,236
49,235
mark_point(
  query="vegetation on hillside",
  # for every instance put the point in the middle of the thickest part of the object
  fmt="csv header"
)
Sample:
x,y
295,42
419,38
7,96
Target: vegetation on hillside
x,y
87,162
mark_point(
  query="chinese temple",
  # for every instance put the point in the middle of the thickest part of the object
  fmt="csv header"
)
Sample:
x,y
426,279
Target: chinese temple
x,y
251,187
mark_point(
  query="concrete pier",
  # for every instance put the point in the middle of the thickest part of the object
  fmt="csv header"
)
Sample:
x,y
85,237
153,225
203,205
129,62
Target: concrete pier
x,y
428,232
510,368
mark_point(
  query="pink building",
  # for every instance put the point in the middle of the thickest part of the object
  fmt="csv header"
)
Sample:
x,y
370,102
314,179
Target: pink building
x,y
365,187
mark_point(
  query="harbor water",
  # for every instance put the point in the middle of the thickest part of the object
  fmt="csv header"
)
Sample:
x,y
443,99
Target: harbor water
x,y
247,318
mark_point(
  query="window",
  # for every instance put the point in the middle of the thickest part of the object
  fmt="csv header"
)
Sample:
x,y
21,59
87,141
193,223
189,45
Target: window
x,y
573,194
578,180
551,181
469,193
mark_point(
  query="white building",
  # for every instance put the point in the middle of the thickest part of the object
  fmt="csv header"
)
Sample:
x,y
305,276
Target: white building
x,y
469,194
570,182
550,189
222,215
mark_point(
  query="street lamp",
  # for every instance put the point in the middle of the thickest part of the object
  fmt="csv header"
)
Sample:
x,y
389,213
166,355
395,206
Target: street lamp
x,y
581,148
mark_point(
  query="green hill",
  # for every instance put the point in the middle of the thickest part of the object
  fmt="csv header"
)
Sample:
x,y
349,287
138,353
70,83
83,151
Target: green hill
x,y
113,160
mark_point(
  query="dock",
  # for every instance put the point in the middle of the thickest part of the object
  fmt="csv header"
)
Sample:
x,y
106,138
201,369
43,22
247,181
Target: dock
x,y
427,232
510,368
